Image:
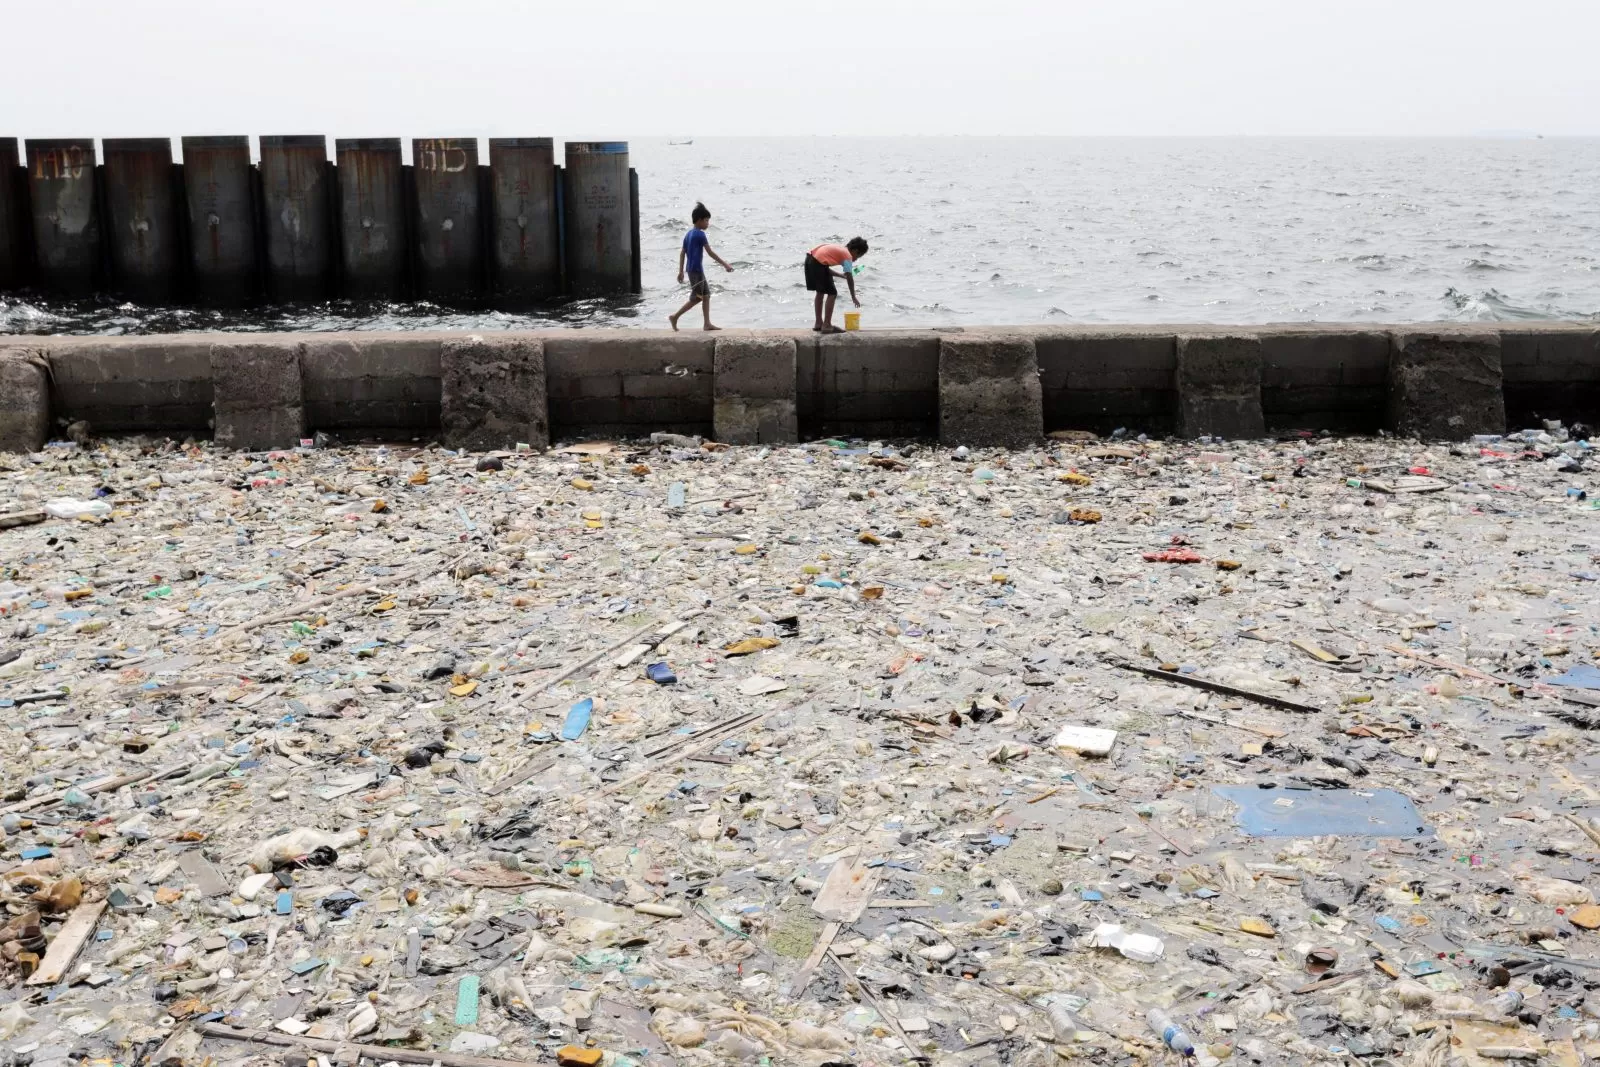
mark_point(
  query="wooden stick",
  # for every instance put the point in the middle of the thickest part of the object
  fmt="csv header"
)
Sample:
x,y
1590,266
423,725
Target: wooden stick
x,y
1594,835
379,1053
1328,983
297,612
1150,824
802,977
1264,731
707,734
77,930
160,1054
102,786
1402,650
710,736
21,518
316,603
866,995
598,656
1218,687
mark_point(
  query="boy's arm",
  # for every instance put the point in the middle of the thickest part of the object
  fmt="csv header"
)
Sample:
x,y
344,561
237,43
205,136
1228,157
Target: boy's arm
x,y
722,262
851,278
681,254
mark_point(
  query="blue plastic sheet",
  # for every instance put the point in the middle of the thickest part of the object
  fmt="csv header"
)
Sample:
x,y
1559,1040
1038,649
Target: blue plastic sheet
x,y
1581,676
1324,812
577,719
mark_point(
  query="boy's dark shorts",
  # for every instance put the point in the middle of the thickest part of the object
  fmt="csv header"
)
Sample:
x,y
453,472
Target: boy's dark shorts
x,y
697,284
818,280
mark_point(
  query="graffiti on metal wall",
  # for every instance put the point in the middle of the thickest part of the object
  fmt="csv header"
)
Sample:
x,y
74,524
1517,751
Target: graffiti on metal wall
x,y
443,157
61,164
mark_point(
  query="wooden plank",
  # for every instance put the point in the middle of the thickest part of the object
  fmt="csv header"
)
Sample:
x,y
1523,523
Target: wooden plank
x,y
844,895
377,1053
64,949
101,785
802,977
199,870
22,518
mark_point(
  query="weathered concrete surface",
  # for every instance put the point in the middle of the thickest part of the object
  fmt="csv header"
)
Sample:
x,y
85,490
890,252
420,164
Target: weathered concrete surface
x,y
259,394
1317,378
1446,385
1437,380
989,393
373,385
624,382
870,384
1219,385
134,385
1551,371
492,393
24,401
1103,378
753,390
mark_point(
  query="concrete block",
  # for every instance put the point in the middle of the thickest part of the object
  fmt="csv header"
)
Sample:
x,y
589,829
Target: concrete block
x,y
258,394
134,385
584,353
492,393
612,417
24,401
599,385
694,388
871,384
1539,353
989,393
753,391
1219,385
1324,379
378,384
1551,372
1101,379
1446,384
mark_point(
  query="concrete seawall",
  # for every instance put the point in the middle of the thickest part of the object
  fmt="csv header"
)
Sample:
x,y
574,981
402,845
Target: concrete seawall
x,y
993,386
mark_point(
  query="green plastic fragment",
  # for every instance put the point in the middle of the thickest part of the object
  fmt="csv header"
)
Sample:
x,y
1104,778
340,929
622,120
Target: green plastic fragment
x,y
467,1001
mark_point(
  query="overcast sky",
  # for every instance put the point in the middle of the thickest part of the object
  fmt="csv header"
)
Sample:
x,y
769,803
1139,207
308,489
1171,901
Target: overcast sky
x,y
642,68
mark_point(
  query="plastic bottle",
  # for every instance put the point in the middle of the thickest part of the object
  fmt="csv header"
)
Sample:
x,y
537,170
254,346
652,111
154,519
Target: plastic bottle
x,y
1508,1002
1063,1024
1172,1035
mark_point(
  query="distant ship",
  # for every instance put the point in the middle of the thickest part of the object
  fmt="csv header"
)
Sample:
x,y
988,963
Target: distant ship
x,y
689,141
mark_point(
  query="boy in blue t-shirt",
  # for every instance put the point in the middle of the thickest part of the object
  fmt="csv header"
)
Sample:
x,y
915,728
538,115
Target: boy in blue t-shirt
x,y
695,246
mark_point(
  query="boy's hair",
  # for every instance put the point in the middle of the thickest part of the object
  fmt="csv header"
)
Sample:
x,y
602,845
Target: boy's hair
x,y
857,246
700,212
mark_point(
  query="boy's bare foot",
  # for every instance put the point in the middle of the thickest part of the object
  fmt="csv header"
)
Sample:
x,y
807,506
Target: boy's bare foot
x,y
674,320
817,328
710,327
831,328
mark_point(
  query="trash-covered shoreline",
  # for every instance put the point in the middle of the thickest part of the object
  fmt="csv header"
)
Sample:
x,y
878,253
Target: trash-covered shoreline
x,y
669,752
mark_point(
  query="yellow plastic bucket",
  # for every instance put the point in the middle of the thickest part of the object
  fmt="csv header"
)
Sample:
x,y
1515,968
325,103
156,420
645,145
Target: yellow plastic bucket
x,y
852,320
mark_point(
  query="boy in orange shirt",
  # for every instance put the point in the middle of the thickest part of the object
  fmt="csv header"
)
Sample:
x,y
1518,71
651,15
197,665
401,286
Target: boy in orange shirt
x,y
820,273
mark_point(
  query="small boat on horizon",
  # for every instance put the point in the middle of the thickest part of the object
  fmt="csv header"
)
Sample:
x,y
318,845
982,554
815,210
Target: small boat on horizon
x,y
689,141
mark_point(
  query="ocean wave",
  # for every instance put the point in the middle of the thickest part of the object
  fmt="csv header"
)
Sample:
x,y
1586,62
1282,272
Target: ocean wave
x,y
1491,305
1484,266
1374,261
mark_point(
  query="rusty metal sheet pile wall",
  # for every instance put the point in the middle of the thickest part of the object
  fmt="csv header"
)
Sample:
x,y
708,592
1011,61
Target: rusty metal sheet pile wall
x,y
220,231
